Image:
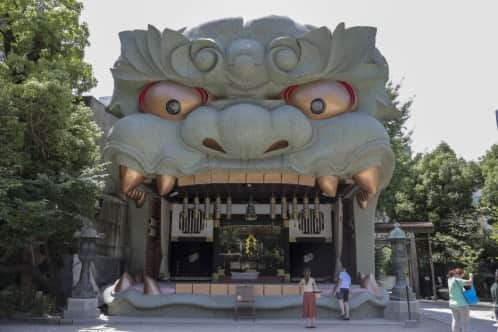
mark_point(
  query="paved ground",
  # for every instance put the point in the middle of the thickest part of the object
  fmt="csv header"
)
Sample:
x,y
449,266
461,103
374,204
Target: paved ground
x,y
435,318
226,325
482,318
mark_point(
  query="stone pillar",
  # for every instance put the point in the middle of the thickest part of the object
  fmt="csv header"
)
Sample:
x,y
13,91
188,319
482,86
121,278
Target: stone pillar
x,y
137,228
365,236
402,305
112,220
415,280
398,240
83,303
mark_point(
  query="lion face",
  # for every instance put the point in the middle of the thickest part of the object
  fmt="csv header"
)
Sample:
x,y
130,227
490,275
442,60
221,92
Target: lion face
x,y
245,107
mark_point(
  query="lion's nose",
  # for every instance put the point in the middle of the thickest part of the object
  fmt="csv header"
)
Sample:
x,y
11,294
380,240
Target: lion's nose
x,y
246,131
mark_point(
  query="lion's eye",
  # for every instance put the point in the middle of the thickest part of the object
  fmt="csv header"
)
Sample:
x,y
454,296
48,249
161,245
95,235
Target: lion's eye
x,y
173,107
317,106
322,99
170,100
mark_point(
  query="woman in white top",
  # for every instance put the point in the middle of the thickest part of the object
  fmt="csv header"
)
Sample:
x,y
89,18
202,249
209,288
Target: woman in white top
x,y
309,288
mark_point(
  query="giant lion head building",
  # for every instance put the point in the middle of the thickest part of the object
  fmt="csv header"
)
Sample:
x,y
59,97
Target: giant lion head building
x,y
246,151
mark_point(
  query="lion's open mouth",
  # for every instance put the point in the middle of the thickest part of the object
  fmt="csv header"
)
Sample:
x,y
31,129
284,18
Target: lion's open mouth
x,y
248,178
239,186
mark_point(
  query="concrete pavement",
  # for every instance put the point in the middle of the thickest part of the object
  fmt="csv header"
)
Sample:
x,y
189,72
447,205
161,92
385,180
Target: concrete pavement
x,y
216,325
482,317
436,317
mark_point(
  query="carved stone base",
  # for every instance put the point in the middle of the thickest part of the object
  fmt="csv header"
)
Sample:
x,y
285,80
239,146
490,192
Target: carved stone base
x,y
81,309
401,294
398,311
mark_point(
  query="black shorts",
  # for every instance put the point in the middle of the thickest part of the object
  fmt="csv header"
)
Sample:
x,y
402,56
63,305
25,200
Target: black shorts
x,y
343,294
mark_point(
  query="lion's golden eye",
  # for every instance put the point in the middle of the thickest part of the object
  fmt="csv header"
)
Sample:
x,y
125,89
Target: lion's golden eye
x,y
322,99
171,100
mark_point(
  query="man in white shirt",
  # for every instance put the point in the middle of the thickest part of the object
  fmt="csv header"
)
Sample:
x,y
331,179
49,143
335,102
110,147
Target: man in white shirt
x,y
341,290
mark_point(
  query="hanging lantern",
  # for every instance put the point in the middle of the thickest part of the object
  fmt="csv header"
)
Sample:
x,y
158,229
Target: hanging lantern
x,y
273,208
229,207
306,210
185,206
207,208
284,208
294,207
251,210
217,208
196,207
317,208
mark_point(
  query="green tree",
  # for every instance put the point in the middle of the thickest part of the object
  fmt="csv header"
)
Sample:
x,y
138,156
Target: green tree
x,y
442,194
48,156
444,184
489,193
489,200
438,186
394,200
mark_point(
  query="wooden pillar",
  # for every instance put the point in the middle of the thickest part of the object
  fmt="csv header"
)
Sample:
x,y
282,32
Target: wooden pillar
x,y
414,265
349,243
216,261
153,247
285,242
165,230
431,265
338,234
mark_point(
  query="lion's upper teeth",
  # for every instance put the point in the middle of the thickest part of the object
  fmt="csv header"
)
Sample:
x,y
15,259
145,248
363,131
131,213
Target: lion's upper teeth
x,y
368,180
165,184
252,177
328,184
368,183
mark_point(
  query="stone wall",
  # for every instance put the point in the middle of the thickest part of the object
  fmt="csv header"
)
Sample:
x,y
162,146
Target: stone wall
x,y
112,221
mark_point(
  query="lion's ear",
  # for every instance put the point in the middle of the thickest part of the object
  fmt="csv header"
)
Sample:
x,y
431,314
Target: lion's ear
x,y
142,61
350,47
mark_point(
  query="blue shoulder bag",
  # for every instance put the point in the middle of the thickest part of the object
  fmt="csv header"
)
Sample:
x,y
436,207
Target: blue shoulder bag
x,y
470,295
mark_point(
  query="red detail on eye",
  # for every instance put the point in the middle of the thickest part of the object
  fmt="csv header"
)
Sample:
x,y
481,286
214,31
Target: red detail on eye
x,y
141,96
204,95
350,90
287,93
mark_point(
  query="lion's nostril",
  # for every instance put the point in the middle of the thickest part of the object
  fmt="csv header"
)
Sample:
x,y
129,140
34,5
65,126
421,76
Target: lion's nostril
x,y
278,145
213,145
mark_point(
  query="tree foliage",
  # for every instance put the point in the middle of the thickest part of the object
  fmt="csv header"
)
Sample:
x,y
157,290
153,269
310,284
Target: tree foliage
x,y
393,201
438,186
48,156
444,184
489,198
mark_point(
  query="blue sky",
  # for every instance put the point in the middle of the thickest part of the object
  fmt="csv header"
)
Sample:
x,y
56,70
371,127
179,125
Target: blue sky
x,y
445,53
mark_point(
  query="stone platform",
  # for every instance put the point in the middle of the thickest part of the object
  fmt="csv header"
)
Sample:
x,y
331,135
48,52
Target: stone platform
x,y
269,302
